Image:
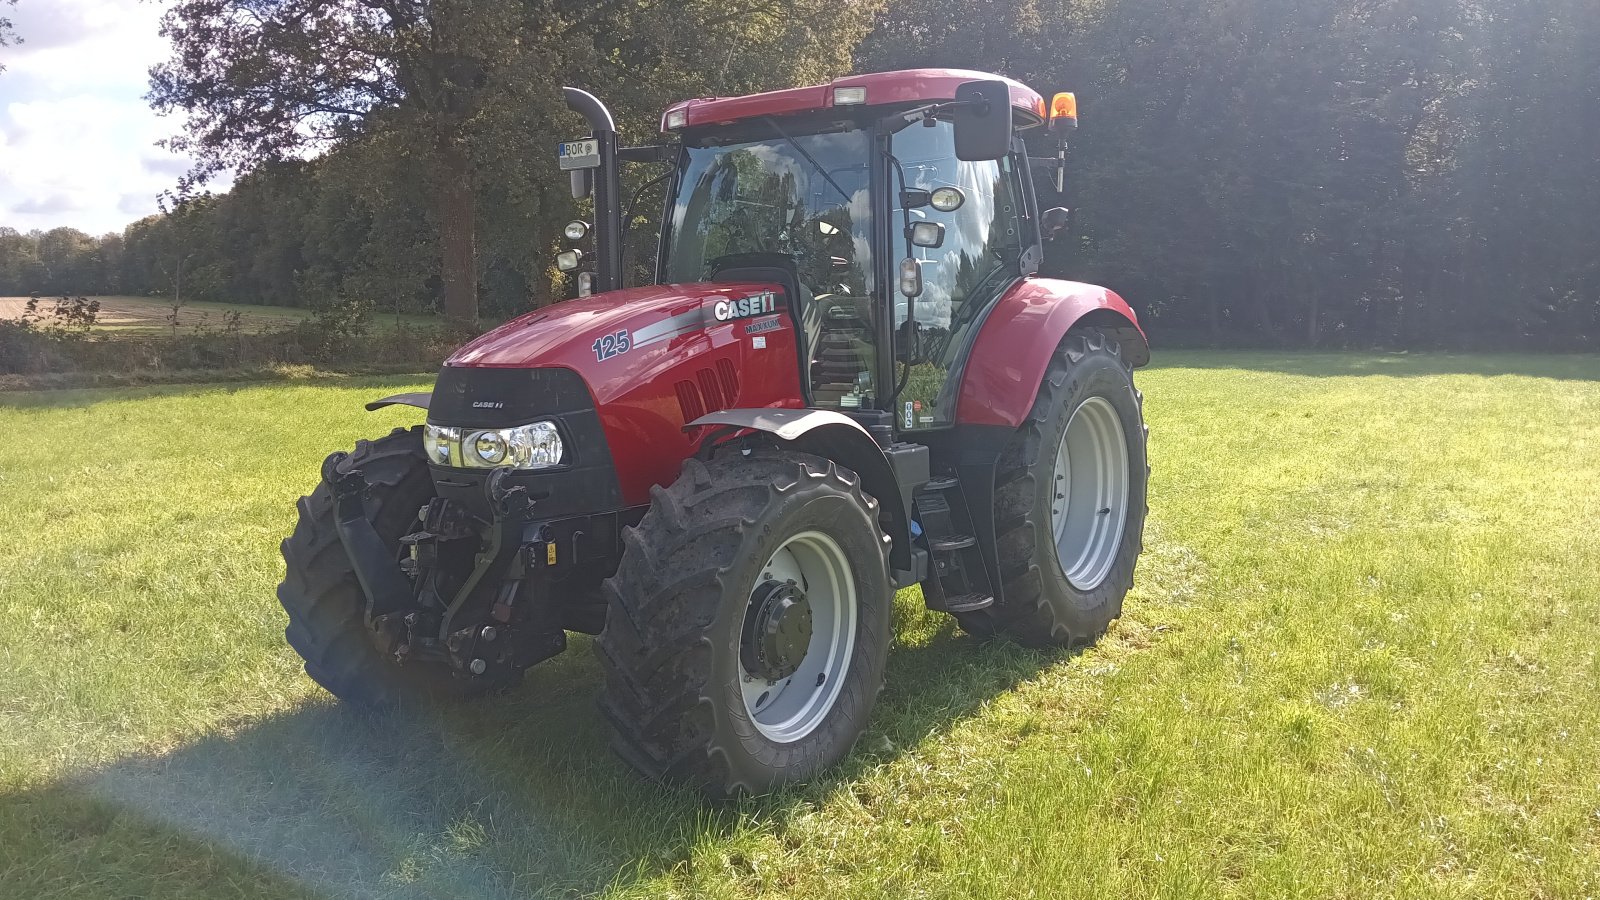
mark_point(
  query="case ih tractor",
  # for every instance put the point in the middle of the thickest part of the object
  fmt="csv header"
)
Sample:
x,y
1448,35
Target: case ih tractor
x,y
846,379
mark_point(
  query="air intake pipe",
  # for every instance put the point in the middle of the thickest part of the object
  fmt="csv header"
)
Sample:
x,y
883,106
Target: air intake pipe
x,y
607,188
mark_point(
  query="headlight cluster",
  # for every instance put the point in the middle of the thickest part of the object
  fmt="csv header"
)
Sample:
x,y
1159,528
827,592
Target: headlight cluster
x,y
535,446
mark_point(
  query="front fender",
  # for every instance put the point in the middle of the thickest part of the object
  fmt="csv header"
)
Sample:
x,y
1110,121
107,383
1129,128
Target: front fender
x,y
419,399
1014,346
837,437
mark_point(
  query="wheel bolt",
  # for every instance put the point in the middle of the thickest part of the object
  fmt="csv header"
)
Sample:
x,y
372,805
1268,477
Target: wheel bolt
x,y
478,667
488,633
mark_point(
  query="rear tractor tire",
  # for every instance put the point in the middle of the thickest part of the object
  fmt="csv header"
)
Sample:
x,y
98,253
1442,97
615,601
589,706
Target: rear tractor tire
x,y
326,607
748,623
1070,501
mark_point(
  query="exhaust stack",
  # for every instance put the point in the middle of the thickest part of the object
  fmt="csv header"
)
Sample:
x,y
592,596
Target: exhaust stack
x,y
607,188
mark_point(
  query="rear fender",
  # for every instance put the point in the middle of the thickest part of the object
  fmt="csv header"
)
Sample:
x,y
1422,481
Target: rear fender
x,y
1022,332
839,438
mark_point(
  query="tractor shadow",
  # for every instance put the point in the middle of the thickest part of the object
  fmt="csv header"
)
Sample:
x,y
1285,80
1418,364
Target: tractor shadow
x,y
518,796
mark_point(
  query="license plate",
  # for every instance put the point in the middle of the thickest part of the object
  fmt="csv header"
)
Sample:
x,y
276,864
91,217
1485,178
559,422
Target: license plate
x,y
579,154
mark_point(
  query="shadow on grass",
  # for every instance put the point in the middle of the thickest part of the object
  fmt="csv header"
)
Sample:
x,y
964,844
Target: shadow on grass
x,y
1559,366
511,797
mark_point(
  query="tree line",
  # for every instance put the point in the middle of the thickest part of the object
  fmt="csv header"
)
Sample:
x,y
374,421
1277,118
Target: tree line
x,y
1375,173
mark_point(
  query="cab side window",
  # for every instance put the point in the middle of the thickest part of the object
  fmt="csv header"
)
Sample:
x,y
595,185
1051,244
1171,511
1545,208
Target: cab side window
x,y
982,245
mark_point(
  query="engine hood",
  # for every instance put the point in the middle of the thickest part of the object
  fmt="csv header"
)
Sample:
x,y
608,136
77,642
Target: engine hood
x,y
652,358
650,315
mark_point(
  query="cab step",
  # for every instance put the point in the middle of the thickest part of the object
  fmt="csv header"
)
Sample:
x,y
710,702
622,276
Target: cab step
x,y
957,581
968,603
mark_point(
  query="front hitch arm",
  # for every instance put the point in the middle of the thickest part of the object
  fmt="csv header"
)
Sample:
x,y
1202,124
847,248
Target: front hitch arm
x,y
376,565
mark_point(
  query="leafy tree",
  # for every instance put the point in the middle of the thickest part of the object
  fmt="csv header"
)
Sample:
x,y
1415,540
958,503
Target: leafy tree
x,y
262,82
8,33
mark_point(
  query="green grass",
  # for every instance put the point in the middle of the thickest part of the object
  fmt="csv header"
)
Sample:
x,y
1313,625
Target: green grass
x,y
1360,661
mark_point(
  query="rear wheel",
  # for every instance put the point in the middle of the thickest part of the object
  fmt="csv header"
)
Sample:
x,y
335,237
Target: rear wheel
x,y
326,607
749,623
1070,501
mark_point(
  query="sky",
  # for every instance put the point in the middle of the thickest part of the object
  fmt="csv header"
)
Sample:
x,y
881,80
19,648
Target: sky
x,y
78,143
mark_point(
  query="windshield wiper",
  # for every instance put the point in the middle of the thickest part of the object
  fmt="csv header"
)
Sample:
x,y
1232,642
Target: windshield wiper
x,y
809,158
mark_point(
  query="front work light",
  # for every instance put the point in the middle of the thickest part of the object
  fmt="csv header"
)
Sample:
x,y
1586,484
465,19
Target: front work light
x,y
927,234
569,260
534,446
910,277
849,96
576,231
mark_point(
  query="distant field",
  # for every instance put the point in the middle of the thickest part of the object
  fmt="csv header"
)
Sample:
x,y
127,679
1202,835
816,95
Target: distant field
x,y
149,315
1360,661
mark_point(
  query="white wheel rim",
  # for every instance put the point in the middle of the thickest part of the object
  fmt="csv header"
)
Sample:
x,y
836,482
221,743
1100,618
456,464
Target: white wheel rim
x,y
1089,506
787,710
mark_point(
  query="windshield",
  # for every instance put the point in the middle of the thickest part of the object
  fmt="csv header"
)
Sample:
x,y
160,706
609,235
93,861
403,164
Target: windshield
x,y
807,198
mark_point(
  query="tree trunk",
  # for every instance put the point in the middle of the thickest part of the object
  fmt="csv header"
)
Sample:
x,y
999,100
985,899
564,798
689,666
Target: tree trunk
x,y
458,235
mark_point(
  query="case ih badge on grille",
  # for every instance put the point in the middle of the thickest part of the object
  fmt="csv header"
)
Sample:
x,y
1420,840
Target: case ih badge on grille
x,y
725,467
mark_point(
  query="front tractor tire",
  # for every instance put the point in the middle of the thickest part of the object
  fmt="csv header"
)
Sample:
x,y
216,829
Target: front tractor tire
x,y
1070,501
326,607
749,623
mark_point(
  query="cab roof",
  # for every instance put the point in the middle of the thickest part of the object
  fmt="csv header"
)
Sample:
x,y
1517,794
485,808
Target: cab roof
x,y
881,89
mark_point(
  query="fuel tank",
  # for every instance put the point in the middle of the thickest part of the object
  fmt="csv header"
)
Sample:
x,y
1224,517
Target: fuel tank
x,y
649,358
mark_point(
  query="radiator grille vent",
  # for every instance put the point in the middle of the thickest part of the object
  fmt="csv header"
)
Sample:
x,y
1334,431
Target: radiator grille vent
x,y
710,391
729,377
689,401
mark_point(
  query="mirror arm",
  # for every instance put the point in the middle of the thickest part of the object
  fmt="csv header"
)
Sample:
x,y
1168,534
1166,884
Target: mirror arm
x,y
900,121
653,153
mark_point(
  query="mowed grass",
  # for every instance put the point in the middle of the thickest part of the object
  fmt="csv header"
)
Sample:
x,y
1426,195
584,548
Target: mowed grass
x,y
1360,661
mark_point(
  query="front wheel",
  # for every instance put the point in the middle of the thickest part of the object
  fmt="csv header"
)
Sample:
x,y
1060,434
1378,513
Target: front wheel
x,y
1070,501
748,623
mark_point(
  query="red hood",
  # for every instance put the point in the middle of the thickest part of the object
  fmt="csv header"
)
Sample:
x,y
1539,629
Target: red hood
x,y
547,336
654,359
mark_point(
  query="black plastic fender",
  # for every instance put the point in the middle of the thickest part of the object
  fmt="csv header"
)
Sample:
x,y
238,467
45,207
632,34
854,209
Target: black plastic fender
x,y
843,440
419,399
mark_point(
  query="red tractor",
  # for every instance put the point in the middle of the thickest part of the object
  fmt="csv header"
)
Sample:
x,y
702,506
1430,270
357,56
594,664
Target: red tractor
x,y
847,378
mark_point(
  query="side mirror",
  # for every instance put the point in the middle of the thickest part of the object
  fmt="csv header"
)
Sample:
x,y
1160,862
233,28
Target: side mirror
x,y
1053,221
983,124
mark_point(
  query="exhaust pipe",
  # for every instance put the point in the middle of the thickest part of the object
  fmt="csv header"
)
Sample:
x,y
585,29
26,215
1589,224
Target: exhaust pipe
x,y
607,188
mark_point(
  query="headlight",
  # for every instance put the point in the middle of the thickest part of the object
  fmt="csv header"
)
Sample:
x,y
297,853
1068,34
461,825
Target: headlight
x,y
535,446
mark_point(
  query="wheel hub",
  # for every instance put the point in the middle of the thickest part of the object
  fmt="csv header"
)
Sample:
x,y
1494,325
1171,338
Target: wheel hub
x,y
777,630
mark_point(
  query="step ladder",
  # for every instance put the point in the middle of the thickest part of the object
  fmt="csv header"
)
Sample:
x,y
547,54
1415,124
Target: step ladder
x,y
957,581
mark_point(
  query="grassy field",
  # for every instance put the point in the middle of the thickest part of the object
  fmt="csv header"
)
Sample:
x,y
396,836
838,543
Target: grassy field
x,y
138,316
1360,661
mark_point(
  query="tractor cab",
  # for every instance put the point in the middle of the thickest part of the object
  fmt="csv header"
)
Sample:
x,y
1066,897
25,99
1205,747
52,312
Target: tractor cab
x,y
845,378
889,210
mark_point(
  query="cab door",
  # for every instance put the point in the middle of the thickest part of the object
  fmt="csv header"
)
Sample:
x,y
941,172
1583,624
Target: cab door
x,y
984,241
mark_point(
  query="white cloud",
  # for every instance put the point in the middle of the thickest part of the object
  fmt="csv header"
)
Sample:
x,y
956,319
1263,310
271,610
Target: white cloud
x,y
78,144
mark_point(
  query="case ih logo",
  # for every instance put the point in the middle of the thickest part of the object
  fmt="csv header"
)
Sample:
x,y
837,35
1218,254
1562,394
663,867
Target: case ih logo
x,y
488,404
754,305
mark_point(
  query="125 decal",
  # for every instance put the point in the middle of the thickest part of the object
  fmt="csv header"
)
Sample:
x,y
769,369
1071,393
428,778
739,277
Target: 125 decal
x,y
612,345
